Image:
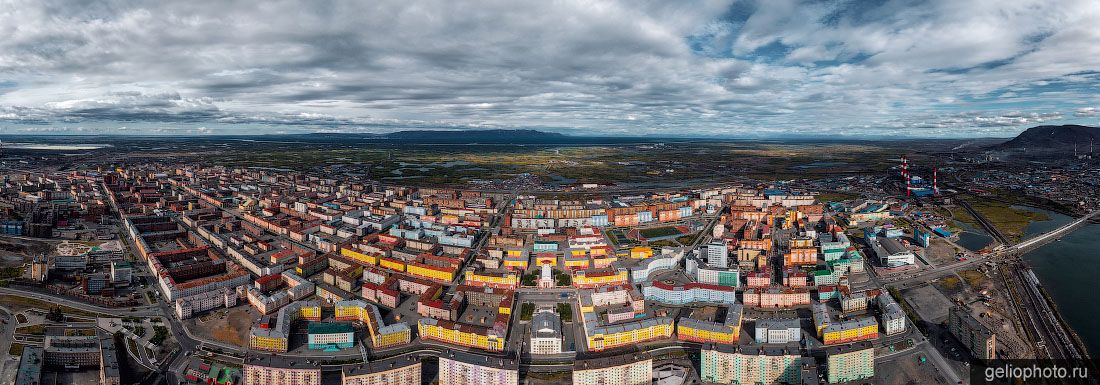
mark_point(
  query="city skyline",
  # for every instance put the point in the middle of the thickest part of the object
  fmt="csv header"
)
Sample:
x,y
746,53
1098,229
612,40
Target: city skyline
x,y
736,69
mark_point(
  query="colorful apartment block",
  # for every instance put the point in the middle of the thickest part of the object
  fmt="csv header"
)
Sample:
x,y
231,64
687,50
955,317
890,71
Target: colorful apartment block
x,y
462,368
494,279
850,362
696,330
585,279
461,334
641,252
859,329
732,365
274,370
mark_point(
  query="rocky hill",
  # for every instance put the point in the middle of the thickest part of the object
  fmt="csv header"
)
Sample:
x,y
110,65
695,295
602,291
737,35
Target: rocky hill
x,y
1053,138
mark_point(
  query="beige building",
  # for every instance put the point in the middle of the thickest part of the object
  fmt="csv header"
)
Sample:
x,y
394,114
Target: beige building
x,y
273,370
462,368
973,334
618,370
397,371
734,365
850,362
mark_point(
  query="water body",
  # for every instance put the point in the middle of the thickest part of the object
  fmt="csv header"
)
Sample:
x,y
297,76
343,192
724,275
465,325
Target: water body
x,y
1068,269
56,147
972,238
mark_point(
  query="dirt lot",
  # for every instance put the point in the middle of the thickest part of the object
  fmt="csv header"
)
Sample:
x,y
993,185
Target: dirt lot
x,y
928,302
231,328
907,370
940,252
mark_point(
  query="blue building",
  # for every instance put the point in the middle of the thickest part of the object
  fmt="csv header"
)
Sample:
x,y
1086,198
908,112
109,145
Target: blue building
x,y
331,336
11,227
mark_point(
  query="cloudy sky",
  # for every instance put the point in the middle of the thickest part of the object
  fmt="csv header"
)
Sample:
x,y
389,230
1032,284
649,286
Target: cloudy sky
x,y
936,68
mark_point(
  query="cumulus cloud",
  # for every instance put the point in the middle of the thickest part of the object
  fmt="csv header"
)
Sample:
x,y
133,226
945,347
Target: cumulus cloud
x,y
706,67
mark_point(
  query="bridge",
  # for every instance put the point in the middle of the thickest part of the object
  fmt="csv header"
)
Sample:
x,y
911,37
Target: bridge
x,y
1050,236
1032,243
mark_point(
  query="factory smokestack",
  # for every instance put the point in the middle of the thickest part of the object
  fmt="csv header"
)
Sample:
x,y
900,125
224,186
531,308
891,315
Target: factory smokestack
x,y
935,180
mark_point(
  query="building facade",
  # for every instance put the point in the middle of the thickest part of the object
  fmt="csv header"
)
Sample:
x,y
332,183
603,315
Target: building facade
x,y
850,362
278,371
620,370
461,368
730,365
973,334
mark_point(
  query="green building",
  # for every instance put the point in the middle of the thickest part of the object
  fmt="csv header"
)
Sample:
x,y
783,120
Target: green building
x,y
850,362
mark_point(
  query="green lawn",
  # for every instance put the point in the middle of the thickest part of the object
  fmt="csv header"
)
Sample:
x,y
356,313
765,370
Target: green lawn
x,y
565,311
526,311
1009,220
657,232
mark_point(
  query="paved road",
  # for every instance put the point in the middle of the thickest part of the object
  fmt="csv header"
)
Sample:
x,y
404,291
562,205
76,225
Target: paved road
x,y
139,311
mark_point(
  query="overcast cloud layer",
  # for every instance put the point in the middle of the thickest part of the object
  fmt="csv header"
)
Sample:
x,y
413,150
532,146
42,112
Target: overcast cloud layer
x,y
937,68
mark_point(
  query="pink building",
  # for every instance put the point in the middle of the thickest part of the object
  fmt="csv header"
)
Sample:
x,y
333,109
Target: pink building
x,y
776,297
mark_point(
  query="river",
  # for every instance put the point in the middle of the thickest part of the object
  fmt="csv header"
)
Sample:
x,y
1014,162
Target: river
x,y
1068,268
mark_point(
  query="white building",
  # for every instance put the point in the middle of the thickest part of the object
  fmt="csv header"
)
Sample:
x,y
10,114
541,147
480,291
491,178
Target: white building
x,y
892,253
893,318
462,368
546,333
717,255
778,331
618,370
121,272
189,306
546,277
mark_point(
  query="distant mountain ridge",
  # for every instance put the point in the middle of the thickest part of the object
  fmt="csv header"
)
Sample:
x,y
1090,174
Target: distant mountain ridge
x,y
1053,137
474,135
489,136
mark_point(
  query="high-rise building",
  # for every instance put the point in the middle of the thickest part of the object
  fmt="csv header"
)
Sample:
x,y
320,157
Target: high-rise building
x,y
462,368
717,254
734,365
274,370
973,334
614,370
395,371
850,362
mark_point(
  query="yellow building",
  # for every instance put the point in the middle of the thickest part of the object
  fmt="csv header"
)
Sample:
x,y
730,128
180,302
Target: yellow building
x,y
601,262
273,344
390,339
364,258
641,252
458,334
802,243
549,259
349,310
310,312
516,264
430,273
510,280
391,264
579,263
852,330
604,337
691,332
691,329
582,279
